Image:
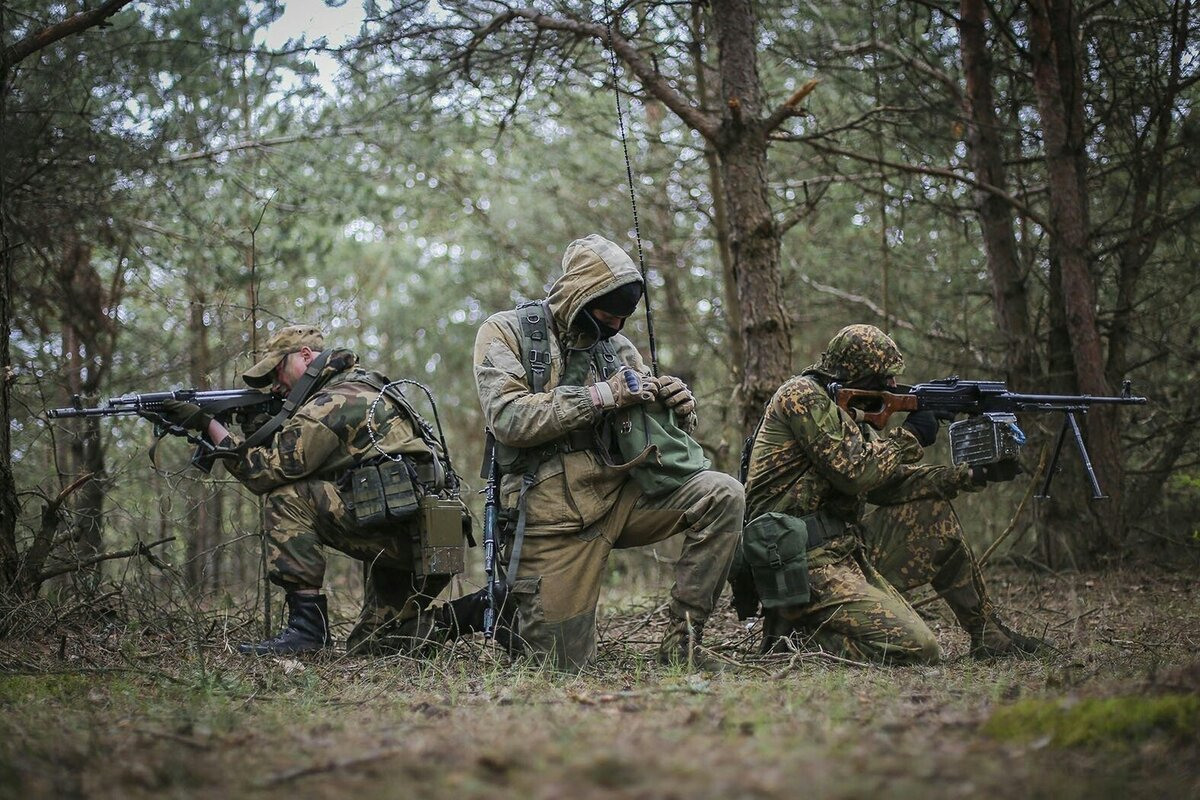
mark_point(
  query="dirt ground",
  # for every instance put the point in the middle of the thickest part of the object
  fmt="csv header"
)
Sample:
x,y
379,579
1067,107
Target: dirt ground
x,y
119,711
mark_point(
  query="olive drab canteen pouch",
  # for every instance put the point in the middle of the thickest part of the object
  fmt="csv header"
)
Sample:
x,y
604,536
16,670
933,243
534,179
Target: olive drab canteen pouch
x,y
676,456
776,547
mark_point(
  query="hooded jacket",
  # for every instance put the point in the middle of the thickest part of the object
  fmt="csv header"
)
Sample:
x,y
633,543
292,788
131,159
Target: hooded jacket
x,y
571,490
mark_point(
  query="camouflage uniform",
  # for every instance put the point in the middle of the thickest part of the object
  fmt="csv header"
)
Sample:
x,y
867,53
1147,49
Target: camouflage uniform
x,y
808,454
579,506
297,472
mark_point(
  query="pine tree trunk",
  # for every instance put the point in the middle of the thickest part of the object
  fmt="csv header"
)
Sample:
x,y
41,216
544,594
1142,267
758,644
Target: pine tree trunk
x,y
1009,297
1090,529
753,233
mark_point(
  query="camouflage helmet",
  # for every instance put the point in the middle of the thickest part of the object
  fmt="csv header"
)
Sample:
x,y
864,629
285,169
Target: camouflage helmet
x,y
860,351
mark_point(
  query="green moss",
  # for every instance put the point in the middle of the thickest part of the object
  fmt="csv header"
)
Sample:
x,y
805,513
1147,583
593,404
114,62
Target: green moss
x,y
20,689
1098,721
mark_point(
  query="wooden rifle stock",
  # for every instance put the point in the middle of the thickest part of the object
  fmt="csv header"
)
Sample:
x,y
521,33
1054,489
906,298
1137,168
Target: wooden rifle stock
x,y
873,407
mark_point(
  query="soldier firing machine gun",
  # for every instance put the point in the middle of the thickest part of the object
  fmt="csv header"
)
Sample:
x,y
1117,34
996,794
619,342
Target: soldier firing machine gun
x,y
990,433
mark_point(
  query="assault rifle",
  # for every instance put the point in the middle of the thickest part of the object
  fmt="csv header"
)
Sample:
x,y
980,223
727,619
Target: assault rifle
x,y
990,433
222,404
491,531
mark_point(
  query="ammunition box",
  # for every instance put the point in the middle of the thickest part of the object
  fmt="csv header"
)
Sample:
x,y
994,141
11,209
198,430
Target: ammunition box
x,y
439,545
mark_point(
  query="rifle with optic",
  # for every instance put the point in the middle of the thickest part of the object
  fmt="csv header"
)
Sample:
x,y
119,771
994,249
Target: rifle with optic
x,y
990,433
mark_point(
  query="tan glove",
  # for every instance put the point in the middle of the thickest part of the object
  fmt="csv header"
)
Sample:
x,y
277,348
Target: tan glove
x,y
625,388
676,396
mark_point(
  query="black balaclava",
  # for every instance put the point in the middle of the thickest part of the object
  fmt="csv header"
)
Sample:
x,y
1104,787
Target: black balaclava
x,y
620,302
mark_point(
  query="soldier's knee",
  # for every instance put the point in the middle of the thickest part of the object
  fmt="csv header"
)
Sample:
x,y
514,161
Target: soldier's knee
x,y
925,648
725,492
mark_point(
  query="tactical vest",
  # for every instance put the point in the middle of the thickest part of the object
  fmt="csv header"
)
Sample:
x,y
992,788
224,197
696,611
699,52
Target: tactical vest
x,y
535,357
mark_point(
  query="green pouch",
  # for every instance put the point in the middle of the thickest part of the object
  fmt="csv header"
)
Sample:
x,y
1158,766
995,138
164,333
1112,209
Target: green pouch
x,y
775,547
377,494
676,456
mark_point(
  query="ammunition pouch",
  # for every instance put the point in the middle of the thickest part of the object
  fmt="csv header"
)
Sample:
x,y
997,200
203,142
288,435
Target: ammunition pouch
x,y
775,551
400,495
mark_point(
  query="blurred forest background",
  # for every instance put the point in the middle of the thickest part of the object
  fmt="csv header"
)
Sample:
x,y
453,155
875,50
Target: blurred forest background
x,y
1008,188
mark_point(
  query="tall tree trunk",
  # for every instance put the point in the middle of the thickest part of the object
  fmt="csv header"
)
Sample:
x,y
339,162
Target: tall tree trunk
x,y
82,348
1009,296
1057,77
10,561
753,236
203,508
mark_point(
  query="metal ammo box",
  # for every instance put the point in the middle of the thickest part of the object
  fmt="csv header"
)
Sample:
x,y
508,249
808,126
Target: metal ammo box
x,y
438,549
985,439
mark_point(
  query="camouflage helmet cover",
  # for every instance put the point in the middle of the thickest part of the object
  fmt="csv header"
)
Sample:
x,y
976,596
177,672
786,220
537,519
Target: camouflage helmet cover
x,y
860,351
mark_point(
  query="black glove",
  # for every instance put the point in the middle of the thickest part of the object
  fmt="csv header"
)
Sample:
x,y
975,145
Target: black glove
x,y
923,425
998,472
188,416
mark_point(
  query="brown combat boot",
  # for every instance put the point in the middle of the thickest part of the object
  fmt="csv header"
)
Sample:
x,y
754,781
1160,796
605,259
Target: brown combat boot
x,y
681,647
994,639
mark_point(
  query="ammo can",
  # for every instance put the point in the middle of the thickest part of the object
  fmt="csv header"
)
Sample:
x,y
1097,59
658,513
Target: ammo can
x,y
439,544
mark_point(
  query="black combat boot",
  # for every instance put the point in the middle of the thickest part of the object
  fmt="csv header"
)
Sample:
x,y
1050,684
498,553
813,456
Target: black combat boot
x,y
307,629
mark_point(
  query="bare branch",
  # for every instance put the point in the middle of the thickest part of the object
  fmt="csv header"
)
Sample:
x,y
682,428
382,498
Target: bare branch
x,y
139,549
917,169
923,67
654,82
788,109
60,30
262,144
873,307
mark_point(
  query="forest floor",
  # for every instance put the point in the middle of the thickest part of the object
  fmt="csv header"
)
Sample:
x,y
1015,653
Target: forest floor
x,y
107,711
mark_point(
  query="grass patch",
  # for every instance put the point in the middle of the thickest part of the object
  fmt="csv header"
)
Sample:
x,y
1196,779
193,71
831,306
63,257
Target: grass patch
x,y
1098,721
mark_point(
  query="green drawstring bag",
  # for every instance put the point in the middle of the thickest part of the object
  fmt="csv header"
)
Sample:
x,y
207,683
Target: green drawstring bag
x,y
663,456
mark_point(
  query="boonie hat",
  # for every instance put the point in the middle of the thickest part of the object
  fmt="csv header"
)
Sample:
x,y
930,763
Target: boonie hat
x,y
283,343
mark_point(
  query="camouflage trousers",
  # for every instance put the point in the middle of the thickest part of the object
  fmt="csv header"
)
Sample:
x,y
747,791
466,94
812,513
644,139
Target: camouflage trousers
x,y
857,608
559,575
301,519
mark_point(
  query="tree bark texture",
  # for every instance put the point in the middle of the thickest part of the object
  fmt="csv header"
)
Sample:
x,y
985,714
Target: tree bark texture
x,y
1009,296
203,504
753,237
1057,77
84,346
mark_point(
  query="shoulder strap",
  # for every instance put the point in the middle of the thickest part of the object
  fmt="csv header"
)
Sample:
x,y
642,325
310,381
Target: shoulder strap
x,y
295,398
535,343
436,444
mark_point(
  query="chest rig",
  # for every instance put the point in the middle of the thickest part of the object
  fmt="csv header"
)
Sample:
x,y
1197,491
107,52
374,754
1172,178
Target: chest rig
x,y
534,317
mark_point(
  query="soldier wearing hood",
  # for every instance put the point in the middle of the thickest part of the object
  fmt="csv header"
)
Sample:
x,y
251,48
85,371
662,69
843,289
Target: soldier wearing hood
x,y
556,422
298,472
893,527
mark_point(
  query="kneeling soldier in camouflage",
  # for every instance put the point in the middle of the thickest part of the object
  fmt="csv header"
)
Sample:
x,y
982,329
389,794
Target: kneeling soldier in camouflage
x,y
339,419
595,455
812,471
